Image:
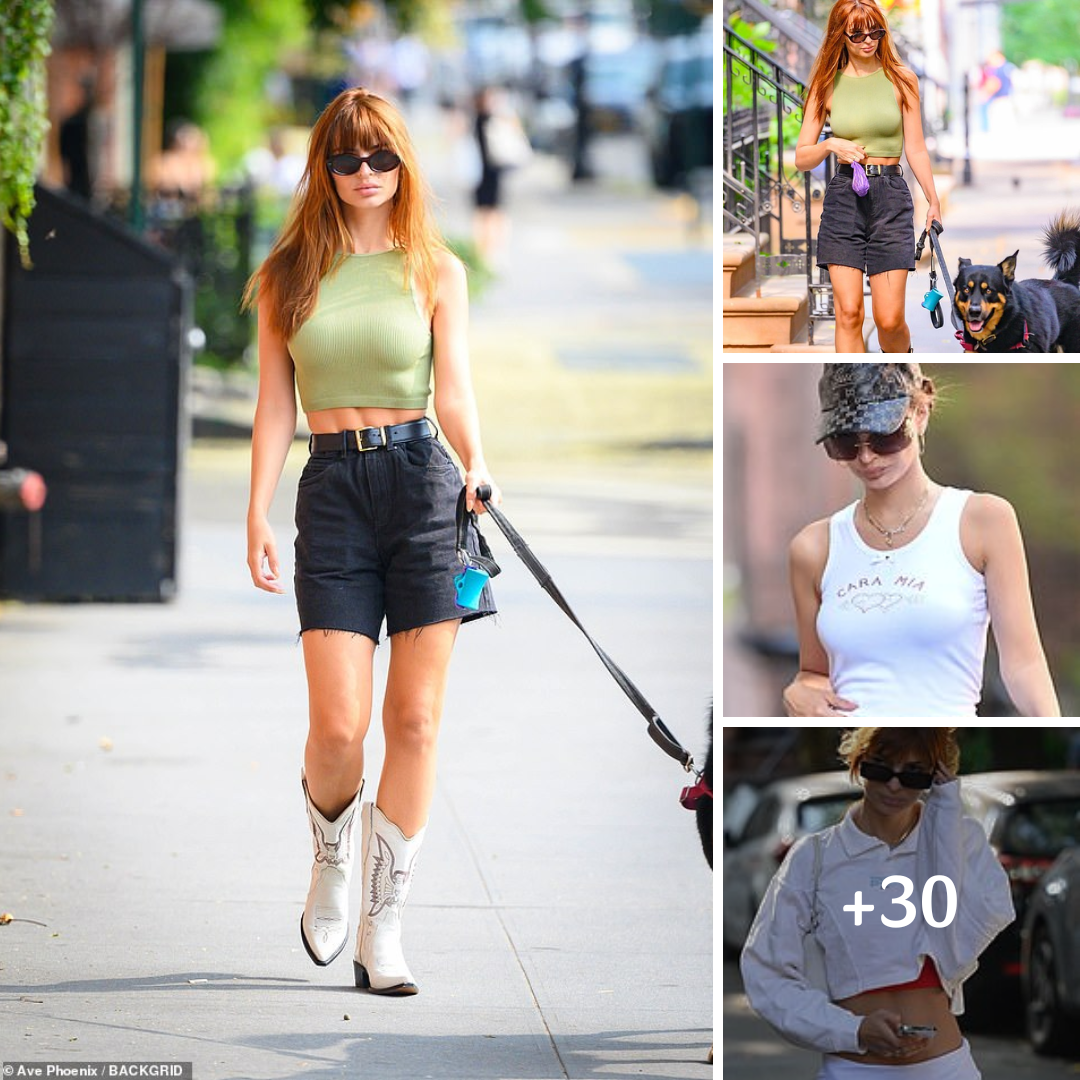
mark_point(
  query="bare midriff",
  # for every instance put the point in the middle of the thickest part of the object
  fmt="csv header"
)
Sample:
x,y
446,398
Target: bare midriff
x,y
882,161
925,1007
329,421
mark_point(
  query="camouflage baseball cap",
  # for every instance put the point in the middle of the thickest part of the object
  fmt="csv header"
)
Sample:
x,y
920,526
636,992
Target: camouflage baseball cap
x,y
865,397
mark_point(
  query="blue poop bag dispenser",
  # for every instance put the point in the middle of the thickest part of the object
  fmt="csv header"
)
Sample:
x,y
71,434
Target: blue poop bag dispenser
x,y
477,569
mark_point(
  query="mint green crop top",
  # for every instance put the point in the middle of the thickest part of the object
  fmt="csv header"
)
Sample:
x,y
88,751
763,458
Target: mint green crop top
x,y
367,342
865,111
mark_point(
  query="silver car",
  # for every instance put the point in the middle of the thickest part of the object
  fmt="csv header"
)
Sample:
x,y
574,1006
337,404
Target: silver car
x,y
1050,958
784,811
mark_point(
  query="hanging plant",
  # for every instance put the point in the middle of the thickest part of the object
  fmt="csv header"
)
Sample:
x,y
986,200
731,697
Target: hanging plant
x,y
24,43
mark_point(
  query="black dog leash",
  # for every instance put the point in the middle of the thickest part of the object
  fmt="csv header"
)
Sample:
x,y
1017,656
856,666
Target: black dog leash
x,y
935,250
658,732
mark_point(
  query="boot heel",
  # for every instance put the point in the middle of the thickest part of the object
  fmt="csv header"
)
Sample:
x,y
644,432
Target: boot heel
x,y
361,976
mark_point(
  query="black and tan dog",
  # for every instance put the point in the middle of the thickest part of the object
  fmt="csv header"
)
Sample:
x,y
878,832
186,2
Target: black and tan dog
x,y
1001,314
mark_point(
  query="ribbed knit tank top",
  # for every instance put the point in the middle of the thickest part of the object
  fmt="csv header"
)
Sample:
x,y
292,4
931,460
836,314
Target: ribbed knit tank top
x,y
905,630
865,111
367,343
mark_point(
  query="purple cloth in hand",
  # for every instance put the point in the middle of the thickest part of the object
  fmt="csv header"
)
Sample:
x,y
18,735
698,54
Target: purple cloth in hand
x,y
860,183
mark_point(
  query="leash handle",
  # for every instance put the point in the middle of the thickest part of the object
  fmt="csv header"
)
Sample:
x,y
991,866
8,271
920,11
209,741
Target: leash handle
x,y
658,731
485,560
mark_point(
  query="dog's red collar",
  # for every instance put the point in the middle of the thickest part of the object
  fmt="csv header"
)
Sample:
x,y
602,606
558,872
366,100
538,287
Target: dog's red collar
x,y
973,346
691,796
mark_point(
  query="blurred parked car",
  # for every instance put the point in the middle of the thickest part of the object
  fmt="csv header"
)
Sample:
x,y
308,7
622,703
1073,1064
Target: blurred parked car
x,y
786,810
1050,958
1029,818
678,116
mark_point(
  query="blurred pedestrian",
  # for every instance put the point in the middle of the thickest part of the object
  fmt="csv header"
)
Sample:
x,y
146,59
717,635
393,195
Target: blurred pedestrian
x,y
502,145
359,303
878,983
581,164
867,220
995,84
184,169
894,594
75,141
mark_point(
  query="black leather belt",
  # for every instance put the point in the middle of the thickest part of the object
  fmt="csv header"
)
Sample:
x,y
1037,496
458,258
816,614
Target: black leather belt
x,y
873,170
371,438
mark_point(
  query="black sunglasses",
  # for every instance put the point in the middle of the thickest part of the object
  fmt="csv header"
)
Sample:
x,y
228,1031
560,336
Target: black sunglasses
x,y
845,447
917,781
347,164
861,35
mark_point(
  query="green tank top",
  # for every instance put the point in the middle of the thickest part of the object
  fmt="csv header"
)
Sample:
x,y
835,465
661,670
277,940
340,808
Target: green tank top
x,y
367,343
865,111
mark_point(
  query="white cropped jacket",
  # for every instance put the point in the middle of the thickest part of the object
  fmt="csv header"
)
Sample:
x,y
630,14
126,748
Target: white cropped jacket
x,y
859,958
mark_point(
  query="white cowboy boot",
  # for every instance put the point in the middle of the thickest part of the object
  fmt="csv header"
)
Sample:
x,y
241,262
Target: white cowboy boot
x,y
324,926
389,859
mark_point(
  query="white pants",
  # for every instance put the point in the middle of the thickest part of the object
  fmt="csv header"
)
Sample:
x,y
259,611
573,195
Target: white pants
x,y
957,1065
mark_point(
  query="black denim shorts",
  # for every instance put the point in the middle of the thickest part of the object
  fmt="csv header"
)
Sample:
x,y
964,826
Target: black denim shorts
x,y
377,538
874,232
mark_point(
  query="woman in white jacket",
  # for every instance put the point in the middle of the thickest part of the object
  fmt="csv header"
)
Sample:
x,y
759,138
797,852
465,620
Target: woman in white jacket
x,y
867,900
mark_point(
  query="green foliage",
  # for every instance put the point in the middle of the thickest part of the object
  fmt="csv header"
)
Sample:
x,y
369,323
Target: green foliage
x,y
1048,31
24,44
479,273
232,104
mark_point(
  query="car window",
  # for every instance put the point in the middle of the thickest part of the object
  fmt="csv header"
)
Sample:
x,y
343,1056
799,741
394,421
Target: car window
x,y
762,819
818,814
1043,828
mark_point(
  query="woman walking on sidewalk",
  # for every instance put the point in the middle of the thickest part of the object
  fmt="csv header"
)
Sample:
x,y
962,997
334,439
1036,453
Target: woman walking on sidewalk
x,y
359,304
894,593
873,995
872,103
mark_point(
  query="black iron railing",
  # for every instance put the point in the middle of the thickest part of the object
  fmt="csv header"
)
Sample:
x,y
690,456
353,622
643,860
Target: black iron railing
x,y
759,95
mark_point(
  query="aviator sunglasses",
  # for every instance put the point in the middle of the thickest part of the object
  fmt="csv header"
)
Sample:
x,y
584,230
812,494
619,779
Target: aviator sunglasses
x,y
845,447
913,778
861,35
347,164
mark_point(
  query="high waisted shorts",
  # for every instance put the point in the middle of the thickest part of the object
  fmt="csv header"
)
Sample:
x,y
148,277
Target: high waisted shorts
x,y
874,232
377,538
957,1065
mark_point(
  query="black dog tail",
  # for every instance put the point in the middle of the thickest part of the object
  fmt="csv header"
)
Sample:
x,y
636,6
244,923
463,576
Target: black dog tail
x,y
1061,248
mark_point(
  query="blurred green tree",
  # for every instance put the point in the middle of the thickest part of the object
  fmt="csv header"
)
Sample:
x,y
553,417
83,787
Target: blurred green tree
x,y
1048,31
24,44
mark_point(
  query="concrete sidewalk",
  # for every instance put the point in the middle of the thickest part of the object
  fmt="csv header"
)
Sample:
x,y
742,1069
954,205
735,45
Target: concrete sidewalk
x,y
1006,209
560,925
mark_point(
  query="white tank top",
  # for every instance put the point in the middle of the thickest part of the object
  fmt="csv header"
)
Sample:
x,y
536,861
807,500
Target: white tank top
x,y
905,630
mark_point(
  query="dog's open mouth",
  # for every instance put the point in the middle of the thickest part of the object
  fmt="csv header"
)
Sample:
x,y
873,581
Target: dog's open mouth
x,y
975,325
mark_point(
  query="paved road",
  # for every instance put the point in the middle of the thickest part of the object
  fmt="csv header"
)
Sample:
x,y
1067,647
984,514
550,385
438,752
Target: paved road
x,y
749,1043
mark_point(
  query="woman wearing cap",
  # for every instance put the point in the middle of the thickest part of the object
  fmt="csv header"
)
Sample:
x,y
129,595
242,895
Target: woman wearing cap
x,y
853,986
872,103
894,593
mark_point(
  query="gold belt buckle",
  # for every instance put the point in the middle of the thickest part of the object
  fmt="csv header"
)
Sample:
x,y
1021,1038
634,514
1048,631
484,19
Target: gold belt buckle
x,y
360,442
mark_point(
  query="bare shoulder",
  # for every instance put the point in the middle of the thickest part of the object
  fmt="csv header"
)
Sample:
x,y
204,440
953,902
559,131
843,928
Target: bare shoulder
x,y
809,549
988,513
449,267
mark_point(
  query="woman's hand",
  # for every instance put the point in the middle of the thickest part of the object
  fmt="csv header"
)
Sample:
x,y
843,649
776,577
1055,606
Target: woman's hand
x,y
262,556
811,694
847,151
475,478
932,213
942,775
879,1034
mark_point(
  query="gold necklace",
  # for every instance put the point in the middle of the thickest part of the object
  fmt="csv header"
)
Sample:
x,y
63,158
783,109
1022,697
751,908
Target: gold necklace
x,y
890,533
908,832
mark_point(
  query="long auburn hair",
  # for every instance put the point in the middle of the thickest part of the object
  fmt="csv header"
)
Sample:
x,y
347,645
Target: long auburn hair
x,y
833,57
315,238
